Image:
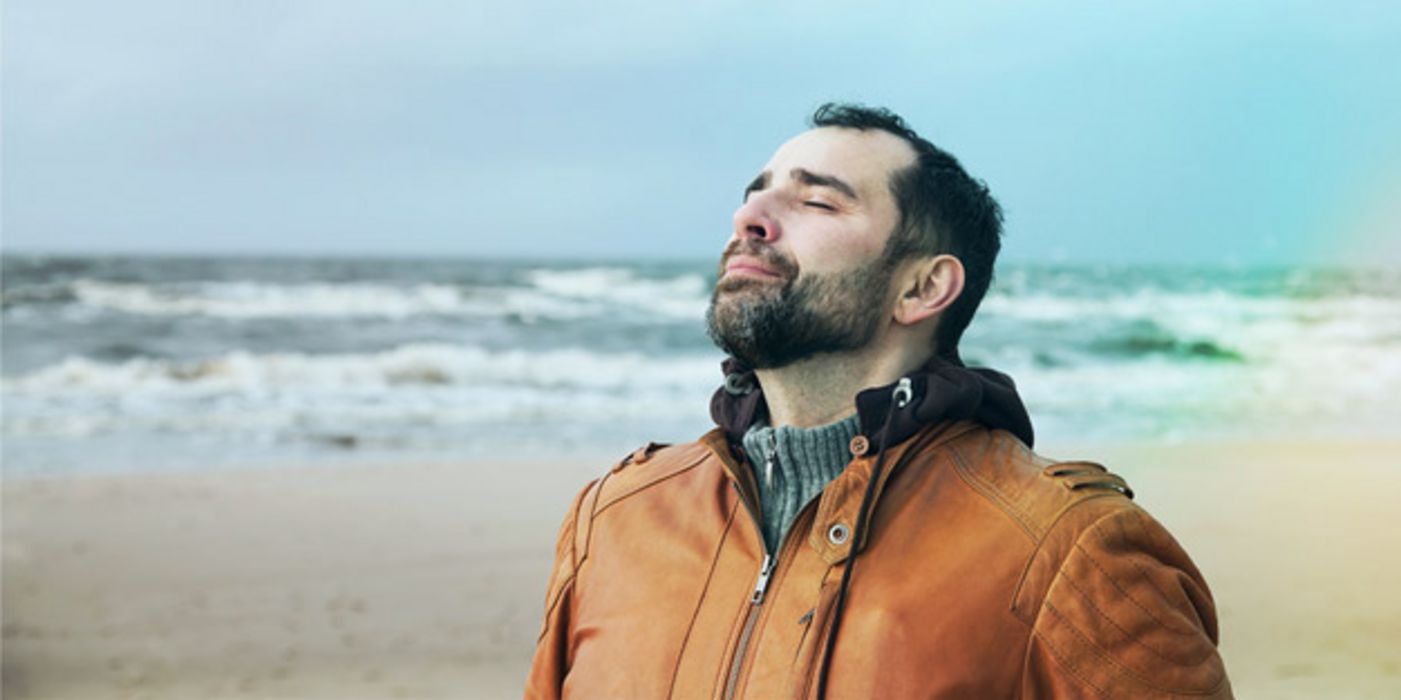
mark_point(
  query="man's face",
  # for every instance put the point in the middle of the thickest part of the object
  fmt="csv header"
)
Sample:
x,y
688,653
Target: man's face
x,y
804,271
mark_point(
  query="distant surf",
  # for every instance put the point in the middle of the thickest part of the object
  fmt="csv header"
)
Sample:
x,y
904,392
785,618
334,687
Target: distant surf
x,y
137,362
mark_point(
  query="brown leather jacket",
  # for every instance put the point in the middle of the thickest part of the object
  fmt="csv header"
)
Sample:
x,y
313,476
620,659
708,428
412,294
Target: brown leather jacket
x,y
986,571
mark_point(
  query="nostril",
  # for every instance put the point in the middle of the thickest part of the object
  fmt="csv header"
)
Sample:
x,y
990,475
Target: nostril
x,y
751,223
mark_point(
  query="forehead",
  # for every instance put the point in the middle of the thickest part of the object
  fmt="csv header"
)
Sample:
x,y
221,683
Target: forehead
x,y
865,159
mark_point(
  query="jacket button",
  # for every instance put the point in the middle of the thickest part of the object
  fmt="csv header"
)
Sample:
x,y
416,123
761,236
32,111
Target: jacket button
x,y
859,445
838,534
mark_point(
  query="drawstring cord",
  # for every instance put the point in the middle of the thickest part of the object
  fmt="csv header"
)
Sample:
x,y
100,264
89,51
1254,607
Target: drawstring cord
x,y
901,397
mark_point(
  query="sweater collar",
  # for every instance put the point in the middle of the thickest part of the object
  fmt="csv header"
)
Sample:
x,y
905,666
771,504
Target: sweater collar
x,y
825,448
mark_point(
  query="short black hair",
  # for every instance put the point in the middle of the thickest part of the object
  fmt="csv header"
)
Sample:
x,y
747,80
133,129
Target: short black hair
x,y
942,210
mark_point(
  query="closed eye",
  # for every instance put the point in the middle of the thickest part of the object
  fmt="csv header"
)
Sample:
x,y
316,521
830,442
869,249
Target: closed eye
x,y
820,205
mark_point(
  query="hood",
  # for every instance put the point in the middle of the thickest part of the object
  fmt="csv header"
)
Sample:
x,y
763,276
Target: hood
x,y
942,391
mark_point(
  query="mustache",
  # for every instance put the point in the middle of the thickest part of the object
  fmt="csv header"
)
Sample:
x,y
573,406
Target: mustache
x,y
766,255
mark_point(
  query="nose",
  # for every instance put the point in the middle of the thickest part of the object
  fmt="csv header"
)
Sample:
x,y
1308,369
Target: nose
x,y
754,220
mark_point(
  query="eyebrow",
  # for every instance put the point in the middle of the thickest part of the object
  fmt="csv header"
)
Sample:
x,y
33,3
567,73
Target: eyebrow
x,y
760,182
807,177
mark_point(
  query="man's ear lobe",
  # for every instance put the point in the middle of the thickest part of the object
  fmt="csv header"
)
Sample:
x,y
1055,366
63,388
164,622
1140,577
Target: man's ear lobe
x,y
931,286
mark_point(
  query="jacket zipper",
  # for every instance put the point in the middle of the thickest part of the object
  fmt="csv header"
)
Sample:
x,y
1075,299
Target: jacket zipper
x,y
901,396
756,598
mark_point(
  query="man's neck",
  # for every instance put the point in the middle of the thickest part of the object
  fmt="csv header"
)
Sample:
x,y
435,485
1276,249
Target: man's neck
x,y
822,389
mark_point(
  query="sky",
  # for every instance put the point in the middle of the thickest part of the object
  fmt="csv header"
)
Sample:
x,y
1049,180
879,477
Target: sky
x,y
1148,132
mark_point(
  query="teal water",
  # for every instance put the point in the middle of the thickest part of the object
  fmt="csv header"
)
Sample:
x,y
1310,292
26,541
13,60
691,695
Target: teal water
x,y
128,363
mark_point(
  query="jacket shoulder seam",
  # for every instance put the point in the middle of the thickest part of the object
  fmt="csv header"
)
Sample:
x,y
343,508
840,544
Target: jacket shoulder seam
x,y
965,472
1040,544
655,479
575,512
581,548
554,603
1037,528
1090,557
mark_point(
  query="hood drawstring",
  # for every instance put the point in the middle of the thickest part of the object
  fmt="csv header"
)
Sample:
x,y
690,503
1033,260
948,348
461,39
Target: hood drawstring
x,y
901,397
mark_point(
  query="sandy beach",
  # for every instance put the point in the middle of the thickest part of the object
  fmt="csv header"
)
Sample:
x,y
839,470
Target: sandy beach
x,y
426,580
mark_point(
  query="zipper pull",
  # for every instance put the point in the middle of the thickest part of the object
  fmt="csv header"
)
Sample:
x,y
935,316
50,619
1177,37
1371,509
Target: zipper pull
x,y
762,584
768,463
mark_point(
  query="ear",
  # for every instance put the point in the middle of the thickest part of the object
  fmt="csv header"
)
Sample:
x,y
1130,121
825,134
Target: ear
x,y
928,287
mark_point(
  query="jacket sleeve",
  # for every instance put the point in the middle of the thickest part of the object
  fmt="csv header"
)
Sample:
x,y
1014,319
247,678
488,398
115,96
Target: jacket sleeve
x,y
1127,616
552,650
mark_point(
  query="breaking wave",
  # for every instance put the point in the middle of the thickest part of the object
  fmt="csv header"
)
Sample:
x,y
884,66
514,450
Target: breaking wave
x,y
397,392
426,365
219,355
541,294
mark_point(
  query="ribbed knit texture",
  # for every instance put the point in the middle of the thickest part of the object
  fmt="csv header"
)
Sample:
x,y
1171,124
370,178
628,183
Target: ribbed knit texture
x,y
804,461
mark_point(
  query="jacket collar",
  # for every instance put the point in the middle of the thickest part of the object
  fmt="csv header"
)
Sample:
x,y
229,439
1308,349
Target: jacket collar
x,y
942,390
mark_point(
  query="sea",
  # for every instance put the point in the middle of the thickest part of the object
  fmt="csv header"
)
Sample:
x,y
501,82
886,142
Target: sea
x,y
153,363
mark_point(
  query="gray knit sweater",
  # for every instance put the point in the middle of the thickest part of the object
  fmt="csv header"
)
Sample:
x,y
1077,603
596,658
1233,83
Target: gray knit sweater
x,y
803,461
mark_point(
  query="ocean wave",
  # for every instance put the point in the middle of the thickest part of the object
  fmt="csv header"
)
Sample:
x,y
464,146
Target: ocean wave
x,y
436,392
681,296
544,294
35,294
1196,326
240,300
408,388
419,365
1153,341
1140,305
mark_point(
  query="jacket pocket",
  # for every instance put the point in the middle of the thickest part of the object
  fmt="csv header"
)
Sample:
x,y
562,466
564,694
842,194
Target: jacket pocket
x,y
808,657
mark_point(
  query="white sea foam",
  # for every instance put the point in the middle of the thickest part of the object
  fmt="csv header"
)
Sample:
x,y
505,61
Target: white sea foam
x,y
411,385
573,295
578,294
253,300
1315,366
1217,304
427,365
453,388
617,284
1259,328
547,294
1127,364
1144,304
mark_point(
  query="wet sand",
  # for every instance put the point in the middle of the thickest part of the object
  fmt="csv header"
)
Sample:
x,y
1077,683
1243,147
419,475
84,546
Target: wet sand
x,y
426,580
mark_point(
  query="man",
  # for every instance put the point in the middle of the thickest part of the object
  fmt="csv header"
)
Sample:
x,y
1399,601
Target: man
x,y
867,520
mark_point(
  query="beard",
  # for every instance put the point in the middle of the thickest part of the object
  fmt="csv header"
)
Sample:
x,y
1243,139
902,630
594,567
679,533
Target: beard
x,y
768,324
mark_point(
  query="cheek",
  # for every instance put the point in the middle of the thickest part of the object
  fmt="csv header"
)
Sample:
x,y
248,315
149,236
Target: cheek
x,y
837,248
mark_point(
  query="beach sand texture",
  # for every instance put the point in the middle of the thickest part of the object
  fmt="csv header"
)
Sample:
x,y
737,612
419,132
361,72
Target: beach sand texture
x,y
427,580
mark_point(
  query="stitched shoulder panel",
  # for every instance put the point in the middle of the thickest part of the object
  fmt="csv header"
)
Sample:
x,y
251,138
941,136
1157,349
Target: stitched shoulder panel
x,y
1052,502
1127,614
647,466
1029,488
